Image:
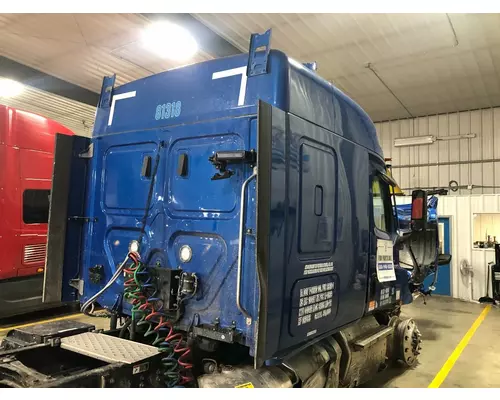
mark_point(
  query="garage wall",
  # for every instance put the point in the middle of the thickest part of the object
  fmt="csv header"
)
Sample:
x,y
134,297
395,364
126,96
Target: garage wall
x,y
76,116
468,161
461,210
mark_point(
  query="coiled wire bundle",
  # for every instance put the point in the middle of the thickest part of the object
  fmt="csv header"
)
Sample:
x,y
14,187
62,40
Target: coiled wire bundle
x,y
177,351
147,314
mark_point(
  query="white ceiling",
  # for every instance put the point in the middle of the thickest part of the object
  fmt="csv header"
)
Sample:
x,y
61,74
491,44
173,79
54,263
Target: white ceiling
x,y
78,48
82,48
427,64
416,55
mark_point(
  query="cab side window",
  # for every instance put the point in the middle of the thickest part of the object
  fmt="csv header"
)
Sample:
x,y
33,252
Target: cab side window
x,y
36,206
382,209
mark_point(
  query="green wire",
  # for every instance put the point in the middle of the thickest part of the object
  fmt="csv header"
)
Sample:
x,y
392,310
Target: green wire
x,y
169,361
134,293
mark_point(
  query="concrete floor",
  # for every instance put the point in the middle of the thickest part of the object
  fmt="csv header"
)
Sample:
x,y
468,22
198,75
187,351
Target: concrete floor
x,y
443,323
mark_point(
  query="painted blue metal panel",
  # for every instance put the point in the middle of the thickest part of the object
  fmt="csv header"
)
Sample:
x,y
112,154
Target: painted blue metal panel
x,y
198,95
212,106
319,290
221,89
318,101
174,218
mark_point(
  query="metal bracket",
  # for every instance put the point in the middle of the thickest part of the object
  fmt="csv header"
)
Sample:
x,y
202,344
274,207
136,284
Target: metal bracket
x,y
222,335
108,84
77,284
313,66
258,53
367,341
89,153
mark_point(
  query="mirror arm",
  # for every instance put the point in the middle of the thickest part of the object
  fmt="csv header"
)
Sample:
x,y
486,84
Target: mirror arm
x,y
414,261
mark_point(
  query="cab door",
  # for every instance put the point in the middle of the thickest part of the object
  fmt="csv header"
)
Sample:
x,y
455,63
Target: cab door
x,y
384,290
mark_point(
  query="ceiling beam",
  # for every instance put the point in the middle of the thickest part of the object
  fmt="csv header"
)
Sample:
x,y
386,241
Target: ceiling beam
x,y
207,40
48,83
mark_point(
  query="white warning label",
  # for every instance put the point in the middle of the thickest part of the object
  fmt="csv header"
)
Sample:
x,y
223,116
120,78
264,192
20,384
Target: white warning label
x,y
385,262
315,302
385,296
318,268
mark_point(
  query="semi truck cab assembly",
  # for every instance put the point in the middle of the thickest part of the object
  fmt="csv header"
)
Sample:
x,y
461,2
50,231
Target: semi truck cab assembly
x,y
236,219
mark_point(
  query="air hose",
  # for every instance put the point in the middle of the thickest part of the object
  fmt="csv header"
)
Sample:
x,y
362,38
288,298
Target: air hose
x,y
148,316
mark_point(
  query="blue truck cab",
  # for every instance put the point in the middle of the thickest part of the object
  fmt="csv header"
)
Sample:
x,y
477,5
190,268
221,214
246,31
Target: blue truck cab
x,y
244,203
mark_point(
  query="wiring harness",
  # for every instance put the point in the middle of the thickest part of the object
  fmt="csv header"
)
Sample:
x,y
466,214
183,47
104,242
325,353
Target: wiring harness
x,y
90,302
155,323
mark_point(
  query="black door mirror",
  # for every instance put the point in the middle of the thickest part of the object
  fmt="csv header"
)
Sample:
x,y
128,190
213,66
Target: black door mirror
x,y
418,210
444,259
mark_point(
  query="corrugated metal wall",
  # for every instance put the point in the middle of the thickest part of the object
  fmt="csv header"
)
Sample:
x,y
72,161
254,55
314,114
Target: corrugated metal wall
x,y
78,117
468,161
460,210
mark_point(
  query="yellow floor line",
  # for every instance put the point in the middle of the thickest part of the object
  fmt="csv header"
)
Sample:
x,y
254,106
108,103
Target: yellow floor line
x,y
40,322
448,365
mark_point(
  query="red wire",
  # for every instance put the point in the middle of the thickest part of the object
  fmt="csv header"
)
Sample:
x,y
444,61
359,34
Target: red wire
x,y
182,352
186,365
155,314
134,256
161,325
146,306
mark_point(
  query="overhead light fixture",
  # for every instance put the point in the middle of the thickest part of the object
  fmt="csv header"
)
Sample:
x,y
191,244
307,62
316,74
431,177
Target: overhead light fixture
x,y
170,41
419,140
414,141
10,88
456,137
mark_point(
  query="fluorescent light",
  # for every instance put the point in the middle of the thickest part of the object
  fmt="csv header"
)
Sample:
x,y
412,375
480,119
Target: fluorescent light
x,y
456,137
419,140
10,88
168,40
414,141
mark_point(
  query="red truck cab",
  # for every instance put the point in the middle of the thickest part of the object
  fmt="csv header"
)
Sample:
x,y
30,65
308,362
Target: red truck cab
x,y
26,162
